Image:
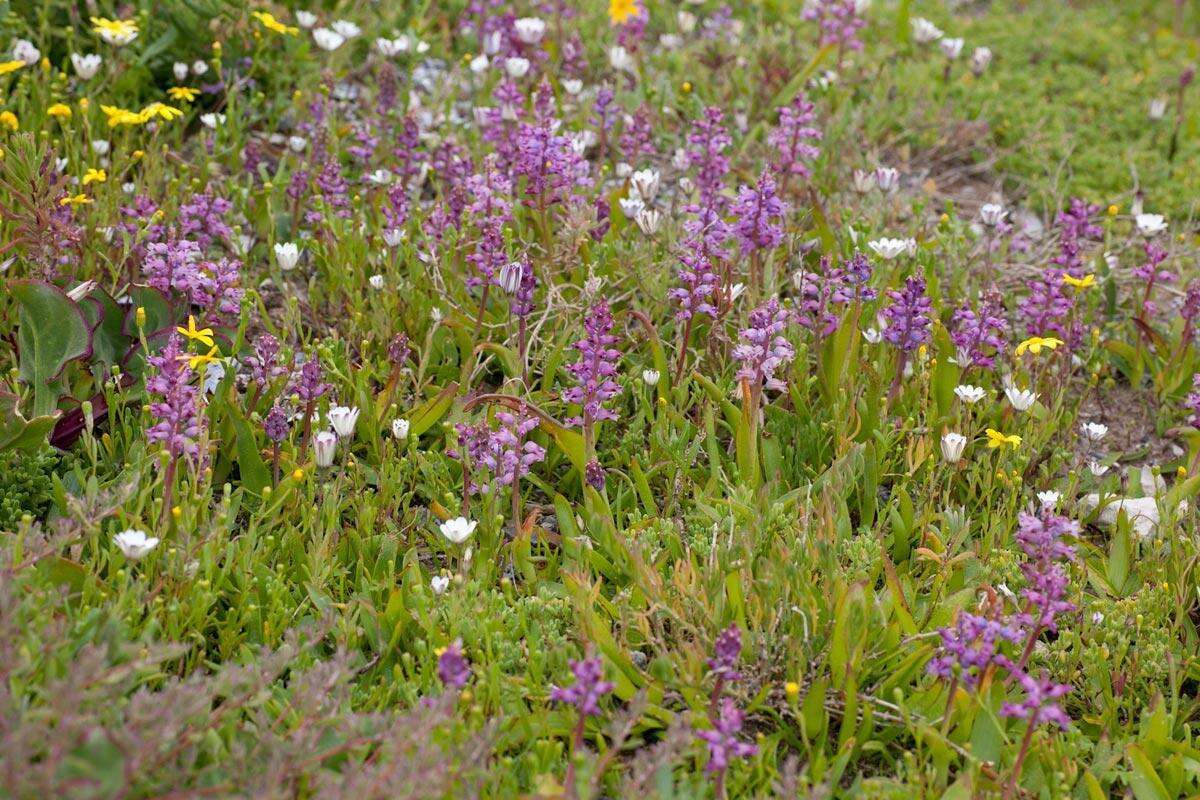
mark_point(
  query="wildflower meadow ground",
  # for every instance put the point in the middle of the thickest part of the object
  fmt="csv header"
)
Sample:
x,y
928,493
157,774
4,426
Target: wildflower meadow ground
x,y
629,398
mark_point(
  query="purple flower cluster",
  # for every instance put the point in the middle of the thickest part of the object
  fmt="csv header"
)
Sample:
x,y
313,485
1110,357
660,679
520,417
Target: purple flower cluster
x,y
176,268
979,334
822,295
1192,403
595,368
758,216
1040,704
1046,308
202,219
1151,273
970,647
908,317
706,154
722,739
587,690
175,406
762,348
726,651
1042,537
503,451
697,283
839,22
793,138
491,211
549,163
452,667
973,645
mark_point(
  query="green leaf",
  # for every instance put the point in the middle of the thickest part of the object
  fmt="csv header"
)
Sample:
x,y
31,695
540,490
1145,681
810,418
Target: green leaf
x,y
18,433
52,333
1143,780
427,415
256,475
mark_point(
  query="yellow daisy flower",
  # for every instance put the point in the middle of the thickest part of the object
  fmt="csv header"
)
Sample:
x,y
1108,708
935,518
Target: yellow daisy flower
x,y
270,23
621,10
121,116
94,176
157,109
9,120
1087,281
197,360
76,200
1035,344
10,66
203,335
115,31
998,439
185,93
61,110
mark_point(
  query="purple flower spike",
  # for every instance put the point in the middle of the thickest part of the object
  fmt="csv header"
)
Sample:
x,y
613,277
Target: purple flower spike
x,y
452,667
970,647
758,214
175,407
723,744
979,334
588,688
908,317
595,368
706,153
762,348
793,138
1041,702
726,651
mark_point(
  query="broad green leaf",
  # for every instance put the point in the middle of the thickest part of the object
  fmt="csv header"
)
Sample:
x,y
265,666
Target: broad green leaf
x,y
51,333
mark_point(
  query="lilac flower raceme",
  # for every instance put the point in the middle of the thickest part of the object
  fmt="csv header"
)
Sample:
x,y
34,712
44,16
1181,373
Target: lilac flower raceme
x,y
839,22
697,282
908,317
1041,536
1192,403
549,163
1151,273
970,647
637,136
588,689
1040,704
706,154
762,348
452,667
758,215
595,368
726,652
309,386
722,739
202,220
793,139
1046,308
503,452
979,334
175,405
821,295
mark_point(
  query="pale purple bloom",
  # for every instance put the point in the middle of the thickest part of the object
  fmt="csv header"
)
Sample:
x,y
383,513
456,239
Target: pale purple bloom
x,y
908,317
762,348
452,667
1040,704
794,136
970,647
722,739
758,216
588,688
596,367
174,402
